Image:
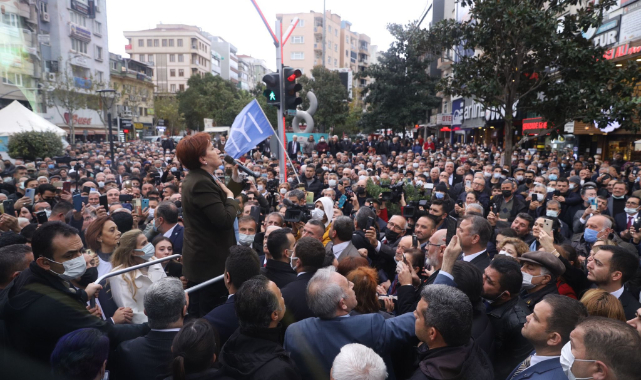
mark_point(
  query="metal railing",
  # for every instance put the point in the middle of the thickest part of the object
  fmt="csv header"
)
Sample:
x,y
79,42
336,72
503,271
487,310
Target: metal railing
x,y
205,283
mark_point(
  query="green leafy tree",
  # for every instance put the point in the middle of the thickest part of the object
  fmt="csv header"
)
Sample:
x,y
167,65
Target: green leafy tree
x,y
401,92
167,108
530,56
30,145
209,97
331,94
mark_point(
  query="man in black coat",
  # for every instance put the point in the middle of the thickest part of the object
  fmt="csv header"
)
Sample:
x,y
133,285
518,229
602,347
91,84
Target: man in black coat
x,y
311,182
280,244
293,147
507,205
308,257
147,357
254,351
241,265
42,305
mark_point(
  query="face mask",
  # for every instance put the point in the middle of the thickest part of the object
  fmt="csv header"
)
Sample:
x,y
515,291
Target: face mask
x,y
173,170
504,253
529,181
540,165
260,187
283,190
551,189
155,227
151,215
572,186
90,275
291,262
491,301
332,183
48,212
567,361
630,210
552,213
391,236
487,175
439,195
506,193
245,239
527,281
50,166
74,268
496,175
590,235
326,168
148,251
419,183
317,214
415,164
290,180
618,197
360,190
553,177
519,178
101,184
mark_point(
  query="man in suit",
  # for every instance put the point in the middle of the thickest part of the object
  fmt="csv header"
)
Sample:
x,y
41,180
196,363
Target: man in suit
x,y
386,248
280,245
508,204
166,223
308,257
241,265
315,342
293,147
626,219
147,357
474,234
610,268
616,203
341,235
548,329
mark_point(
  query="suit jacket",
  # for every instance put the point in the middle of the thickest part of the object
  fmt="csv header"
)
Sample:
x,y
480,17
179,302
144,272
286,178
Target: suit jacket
x,y
546,370
223,319
176,237
208,217
349,251
145,358
279,272
295,295
293,147
481,261
630,304
611,204
621,221
314,342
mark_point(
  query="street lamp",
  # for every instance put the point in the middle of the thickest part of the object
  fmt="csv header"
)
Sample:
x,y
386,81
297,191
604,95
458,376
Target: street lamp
x,y
108,96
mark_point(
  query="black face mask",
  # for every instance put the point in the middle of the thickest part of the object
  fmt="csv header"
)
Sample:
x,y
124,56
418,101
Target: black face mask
x,y
506,193
360,190
91,275
391,236
529,181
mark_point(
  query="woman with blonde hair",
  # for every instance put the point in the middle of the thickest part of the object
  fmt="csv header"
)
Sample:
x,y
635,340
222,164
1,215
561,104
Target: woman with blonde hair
x,y
600,303
128,289
513,247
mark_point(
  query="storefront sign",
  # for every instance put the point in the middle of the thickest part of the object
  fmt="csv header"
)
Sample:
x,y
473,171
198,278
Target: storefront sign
x,y
81,6
473,114
631,26
126,123
568,127
80,32
457,112
625,3
444,119
621,51
79,60
138,125
77,120
161,122
606,34
534,125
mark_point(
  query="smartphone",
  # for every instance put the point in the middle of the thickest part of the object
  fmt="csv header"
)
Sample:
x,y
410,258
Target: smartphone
x,y
451,224
468,183
86,189
66,186
85,200
42,217
370,223
341,201
593,203
136,203
125,197
547,225
309,198
495,209
127,184
459,203
7,207
31,193
58,184
557,193
144,203
77,202
414,241
104,202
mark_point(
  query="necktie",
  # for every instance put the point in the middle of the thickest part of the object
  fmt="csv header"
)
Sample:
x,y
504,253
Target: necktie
x,y
629,221
522,367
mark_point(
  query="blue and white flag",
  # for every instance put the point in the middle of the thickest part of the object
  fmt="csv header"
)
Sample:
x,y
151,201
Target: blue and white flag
x,y
250,128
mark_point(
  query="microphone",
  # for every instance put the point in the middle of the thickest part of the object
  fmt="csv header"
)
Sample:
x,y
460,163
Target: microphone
x,y
230,160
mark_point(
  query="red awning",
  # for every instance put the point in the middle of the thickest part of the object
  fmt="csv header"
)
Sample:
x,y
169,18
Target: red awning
x,y
446,129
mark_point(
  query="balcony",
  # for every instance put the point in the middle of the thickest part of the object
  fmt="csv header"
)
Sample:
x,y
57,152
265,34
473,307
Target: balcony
x,y
128,48
363,49
318,46
82,83
318,30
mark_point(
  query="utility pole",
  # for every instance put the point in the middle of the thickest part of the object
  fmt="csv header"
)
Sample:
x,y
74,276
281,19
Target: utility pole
x,y
324,27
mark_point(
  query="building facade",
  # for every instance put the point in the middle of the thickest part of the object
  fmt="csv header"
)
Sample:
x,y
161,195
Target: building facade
x,y
228,59
175,52
256,69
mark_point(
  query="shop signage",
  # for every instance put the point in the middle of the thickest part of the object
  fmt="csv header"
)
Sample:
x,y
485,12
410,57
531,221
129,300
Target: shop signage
x,y
457,112
534,125
81,6
77,120
161,122
606,34
433,120
444,119
631,26
138,125
80,32
126,123
79,60
621,51
161,129
568,127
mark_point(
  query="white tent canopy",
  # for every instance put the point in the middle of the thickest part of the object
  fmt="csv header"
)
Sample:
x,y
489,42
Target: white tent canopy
x,y
16,118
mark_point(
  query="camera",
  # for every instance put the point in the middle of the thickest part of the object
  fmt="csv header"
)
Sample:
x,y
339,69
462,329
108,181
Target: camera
x,y
394,195
295,213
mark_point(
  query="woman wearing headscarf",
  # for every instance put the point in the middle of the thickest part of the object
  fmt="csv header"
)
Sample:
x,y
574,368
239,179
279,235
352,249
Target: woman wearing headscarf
x,y
324,212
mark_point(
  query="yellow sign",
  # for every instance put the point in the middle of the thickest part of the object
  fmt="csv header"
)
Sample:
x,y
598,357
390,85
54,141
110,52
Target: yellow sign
x,y
138,125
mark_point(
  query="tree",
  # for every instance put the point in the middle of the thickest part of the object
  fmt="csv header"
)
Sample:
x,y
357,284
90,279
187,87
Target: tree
x,y
402,92
30,145
531,57
167,108
208,97
331,94
69,95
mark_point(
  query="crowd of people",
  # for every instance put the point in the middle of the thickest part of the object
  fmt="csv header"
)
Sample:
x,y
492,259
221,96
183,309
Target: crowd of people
x,y
376,258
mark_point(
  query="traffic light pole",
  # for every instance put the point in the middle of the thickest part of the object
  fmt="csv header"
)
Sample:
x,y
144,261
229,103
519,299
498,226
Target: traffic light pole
x,y
282,150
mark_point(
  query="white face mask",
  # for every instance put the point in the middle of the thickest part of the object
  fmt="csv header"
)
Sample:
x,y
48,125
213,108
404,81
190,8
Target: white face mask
x,y
74,268
261,187
317,214
527,281
332,183
245,239
148,251
504,253
283,190
567,360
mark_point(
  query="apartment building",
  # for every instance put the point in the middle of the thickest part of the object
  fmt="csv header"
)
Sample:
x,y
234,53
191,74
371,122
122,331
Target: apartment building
x,y
356,47
228,61
74,53
175,52
256,69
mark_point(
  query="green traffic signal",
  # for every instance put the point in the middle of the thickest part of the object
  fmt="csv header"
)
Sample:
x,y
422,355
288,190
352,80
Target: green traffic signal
x,y
272,92
272,96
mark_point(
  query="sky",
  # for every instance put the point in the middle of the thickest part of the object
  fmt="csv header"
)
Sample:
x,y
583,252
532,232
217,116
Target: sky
x,y
238,22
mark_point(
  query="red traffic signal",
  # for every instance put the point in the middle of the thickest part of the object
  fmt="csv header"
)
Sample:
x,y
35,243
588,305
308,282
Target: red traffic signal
x,y
125,130
295,75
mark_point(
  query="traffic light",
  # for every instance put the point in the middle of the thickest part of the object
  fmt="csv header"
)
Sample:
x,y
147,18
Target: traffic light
x,y
125,131
272,93
291,88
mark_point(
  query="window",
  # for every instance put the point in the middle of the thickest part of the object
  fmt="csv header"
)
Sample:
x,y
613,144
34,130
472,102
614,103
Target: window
x,y
151,59
179,42
145,110
149,43
79,46
181,72
139,111
172,72
78,19
164,42
301,23
181,87
44,8
297,55
335,62
99,76
98,53
141,43
156,42
181,58
97,28
336,48
298,39
336,32
171,42
330,28
346,39
114,66
347,53
141,57
11,79
172,88
172,57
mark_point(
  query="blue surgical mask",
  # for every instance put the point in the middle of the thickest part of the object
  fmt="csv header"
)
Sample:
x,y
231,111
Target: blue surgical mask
x,y
148,252
589,235
553,177
439,195
50,166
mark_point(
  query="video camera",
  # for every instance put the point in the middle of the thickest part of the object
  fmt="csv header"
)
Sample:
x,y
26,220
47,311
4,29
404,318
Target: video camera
x,y
412,209
394,195
296,213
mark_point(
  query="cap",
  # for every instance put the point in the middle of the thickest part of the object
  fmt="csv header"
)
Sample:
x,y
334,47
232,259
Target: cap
x,y
441,186
544,259
575,179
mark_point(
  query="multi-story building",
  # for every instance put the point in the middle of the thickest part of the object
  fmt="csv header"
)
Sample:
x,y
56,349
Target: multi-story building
x,y
134,108
19,58
228,60
74,56
174,51
357,54
256,69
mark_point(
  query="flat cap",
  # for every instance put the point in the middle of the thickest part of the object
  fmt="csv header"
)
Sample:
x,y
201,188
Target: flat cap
x,y
545,259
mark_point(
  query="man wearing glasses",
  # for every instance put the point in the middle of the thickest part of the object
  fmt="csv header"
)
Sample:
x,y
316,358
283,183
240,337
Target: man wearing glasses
x,y
628,217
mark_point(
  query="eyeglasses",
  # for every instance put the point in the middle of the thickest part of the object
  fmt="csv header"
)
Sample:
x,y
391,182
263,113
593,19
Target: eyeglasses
x,y
434,245
394,226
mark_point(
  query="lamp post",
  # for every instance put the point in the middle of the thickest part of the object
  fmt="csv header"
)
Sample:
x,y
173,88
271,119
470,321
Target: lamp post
x,y
108,96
